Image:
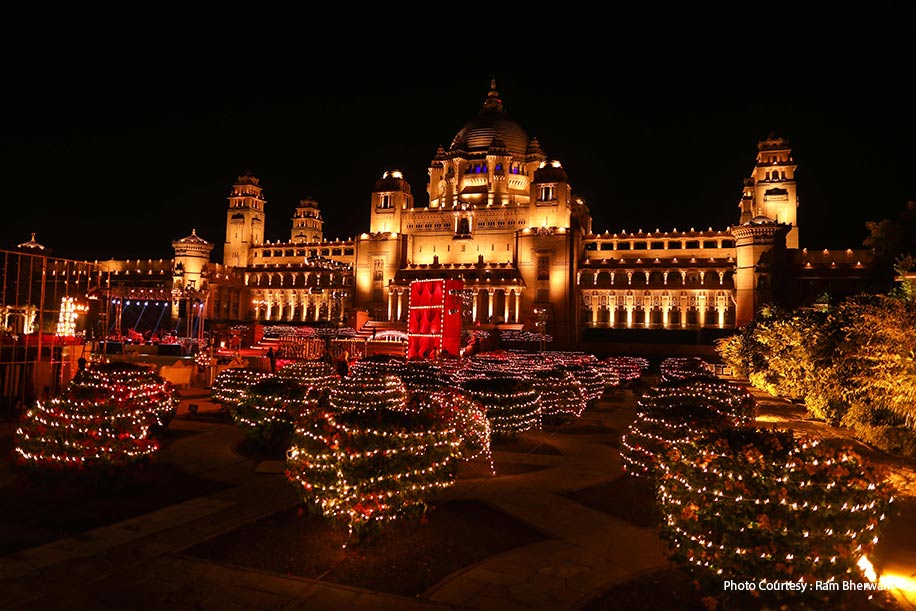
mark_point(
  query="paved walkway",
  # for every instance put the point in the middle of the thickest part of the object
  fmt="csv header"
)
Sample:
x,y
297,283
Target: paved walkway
x,y
138,564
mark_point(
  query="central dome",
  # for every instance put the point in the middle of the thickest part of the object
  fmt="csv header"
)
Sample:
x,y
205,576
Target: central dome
x,y
492,127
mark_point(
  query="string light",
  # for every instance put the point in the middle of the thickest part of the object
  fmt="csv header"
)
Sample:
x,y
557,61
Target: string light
x,y
231,385
674,413
512,404
271,406
374,457
746,501
106,416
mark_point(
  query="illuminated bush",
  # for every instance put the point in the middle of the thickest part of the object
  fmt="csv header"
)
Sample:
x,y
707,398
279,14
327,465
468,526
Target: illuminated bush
x,y
133,387
623,368
70,434
512,405
315,374
364,391
379,364
231,385
589,376
677,412
683,368
270,408
464,414
759,504
562,396
424,376
364,467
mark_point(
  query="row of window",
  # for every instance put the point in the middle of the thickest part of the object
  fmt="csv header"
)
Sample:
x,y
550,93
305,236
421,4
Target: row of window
x,y
479,224
481,168
448,248
660,245
290,252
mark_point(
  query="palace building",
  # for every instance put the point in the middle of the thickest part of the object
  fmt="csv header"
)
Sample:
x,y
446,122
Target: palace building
x,y
500,215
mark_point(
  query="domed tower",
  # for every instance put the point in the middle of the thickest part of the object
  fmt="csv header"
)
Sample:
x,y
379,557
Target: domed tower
x,y
391,196
771,190
307,222
244,220
490,161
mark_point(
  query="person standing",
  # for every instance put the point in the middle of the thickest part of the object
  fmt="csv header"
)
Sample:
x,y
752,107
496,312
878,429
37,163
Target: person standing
x,y
272,357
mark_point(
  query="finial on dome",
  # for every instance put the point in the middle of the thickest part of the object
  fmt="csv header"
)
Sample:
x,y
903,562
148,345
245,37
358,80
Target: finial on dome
x,y
493,102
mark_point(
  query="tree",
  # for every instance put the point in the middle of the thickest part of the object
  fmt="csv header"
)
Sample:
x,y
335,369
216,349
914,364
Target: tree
x,y
889,240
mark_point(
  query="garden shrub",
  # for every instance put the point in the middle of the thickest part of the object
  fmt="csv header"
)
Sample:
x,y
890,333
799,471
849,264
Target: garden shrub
x,y
370,464
231,385
674,413
270,409
746,503
512,405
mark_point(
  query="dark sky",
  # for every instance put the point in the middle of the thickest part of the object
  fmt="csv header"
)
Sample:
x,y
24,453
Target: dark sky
x,y
116,150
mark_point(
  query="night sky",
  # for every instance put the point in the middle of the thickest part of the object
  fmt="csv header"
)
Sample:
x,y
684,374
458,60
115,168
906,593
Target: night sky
x,y
113,151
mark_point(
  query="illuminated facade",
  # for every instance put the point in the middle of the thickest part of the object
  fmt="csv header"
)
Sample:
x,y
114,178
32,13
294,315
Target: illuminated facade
x,y
501,217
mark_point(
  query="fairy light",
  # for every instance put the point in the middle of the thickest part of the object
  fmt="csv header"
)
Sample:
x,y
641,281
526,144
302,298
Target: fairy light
x,y
675,413
682,368
467,416
77,433
373,457
562,396
512,405
589,376
271,406
70,310
231,385
379,364
130,386
424,376
624,368
367,391
314,374
747,501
